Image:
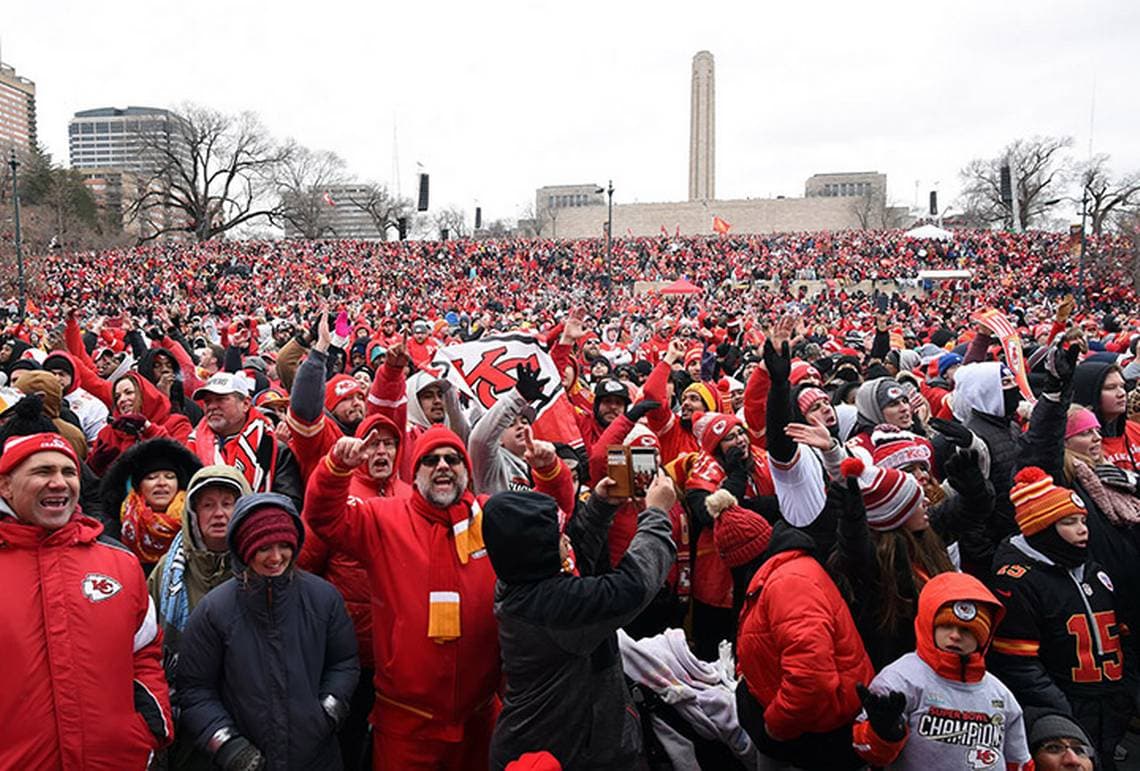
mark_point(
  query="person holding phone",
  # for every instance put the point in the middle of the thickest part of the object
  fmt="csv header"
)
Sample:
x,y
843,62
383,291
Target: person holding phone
x,y
565,691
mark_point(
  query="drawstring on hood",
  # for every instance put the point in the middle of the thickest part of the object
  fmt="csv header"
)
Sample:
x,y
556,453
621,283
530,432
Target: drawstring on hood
x,y
943,589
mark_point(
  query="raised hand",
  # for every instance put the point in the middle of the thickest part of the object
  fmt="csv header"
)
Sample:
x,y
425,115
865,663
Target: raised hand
x,y
809,434
324,334
778,363
661,493
529,385
350,452
884,712
675,353
539,453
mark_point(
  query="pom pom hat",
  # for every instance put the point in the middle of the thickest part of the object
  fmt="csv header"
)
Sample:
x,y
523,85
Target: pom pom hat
x,y
1038,503
889,495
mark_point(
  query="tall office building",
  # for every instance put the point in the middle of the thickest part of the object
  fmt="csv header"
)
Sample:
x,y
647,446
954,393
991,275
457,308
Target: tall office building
x,y
123,139
17,111
702,130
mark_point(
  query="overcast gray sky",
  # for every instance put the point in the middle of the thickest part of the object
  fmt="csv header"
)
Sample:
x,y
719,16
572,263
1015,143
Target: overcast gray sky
x,y
498,98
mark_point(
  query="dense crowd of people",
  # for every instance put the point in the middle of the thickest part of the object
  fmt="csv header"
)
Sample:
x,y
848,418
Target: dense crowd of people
x,y
257,512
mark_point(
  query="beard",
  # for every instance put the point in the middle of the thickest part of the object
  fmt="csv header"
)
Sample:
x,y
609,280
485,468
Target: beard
x,y
438,498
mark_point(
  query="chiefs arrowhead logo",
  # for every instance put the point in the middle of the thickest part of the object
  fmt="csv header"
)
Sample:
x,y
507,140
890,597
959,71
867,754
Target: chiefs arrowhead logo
x,y
346,386
98,587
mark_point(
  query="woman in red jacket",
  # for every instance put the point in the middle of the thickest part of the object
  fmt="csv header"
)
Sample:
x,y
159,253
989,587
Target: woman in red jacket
x,y
799,657
139,412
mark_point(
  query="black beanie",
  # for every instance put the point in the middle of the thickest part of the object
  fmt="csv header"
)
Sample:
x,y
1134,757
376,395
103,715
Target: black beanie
x,y
520,531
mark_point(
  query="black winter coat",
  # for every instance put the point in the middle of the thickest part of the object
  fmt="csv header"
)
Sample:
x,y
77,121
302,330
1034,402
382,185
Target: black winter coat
x,y
565,690
258,656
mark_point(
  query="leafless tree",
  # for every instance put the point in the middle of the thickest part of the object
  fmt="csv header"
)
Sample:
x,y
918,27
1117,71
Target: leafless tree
x,y
382,206
452,218
303,181
212,172
1107,196
500,228
866,209
530,224
1042,170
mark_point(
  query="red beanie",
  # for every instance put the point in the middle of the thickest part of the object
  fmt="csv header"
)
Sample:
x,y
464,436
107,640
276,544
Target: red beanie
x,y
339,388
437,437
19,448
264,527
740,535
716,426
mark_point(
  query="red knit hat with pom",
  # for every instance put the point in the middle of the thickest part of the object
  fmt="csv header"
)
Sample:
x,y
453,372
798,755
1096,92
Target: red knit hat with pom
x,y
889,495
740,535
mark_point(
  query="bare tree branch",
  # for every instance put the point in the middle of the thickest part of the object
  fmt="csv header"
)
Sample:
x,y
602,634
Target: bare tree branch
x,y
303,182
1041,170
212,172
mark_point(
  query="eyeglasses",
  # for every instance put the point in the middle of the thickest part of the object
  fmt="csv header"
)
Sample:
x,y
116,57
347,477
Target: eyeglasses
x,y
1059,748
451,459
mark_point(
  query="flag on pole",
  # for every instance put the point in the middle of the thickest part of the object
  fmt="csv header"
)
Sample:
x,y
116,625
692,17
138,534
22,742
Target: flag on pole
x,y
1010,345
328,199
720,226
664,232
484,370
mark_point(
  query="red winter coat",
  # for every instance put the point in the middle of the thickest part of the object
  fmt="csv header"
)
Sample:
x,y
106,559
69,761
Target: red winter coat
x,y
797,646
424,689
348,575
110,443
82,652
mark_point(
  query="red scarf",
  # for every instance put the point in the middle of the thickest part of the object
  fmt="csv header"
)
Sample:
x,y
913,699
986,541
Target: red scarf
x,y
252,450
460,534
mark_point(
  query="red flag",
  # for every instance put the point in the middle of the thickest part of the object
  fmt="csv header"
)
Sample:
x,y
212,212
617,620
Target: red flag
x,y
1010,344
329,199
720,226
678,231
664,232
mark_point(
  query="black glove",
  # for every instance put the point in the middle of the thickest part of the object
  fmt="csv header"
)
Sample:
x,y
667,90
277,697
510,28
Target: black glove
x,y
954,431
132,424
884,712
779,365
238,754
641,409
528,383
964,473
1116,477
737,465
1060,363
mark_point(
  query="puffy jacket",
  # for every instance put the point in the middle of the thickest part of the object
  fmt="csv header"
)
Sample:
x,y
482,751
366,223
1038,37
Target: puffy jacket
x,y
90,410
80,641
423,688
156,408
260,654
797,646
565,691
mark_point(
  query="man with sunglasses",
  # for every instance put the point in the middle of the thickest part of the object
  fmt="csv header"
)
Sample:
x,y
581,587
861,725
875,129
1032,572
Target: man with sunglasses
x,y
436,643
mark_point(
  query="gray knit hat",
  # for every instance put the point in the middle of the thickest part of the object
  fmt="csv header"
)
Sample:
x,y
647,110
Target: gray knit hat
x,y
1048,727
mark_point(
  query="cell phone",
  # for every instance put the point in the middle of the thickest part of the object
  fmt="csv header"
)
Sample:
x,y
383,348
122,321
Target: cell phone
x,y
618,468
643,464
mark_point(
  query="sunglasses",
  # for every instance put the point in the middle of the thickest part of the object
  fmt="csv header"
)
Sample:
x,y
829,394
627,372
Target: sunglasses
x,y
450,458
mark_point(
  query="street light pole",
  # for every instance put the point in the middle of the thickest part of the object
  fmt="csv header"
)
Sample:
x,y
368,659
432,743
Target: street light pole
x,y
610,229
1081,268
14,165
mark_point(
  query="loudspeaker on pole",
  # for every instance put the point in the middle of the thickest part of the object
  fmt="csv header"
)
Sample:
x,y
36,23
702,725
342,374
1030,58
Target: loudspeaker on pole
x,y
423,203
